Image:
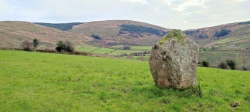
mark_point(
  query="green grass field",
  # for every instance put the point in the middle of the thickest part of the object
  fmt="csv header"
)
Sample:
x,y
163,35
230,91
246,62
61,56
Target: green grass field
x,y
141,48
215,57
97,50
86,48
103,51
31,81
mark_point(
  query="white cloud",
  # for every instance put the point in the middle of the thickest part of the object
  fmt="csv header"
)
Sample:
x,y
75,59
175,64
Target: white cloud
x,y
2,5
169,2
178,14
136,1
240,0
189,3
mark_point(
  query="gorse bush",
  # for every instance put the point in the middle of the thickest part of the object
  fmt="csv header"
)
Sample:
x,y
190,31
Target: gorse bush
x,y
60,46
126,47
67,46
223,65
96,36
228,64
36,43
231,64
205,63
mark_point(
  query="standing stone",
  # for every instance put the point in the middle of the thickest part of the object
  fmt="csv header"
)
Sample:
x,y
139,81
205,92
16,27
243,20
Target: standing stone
x,y
173,61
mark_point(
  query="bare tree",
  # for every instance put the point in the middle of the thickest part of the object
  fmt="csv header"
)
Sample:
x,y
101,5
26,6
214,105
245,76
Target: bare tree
x,y
69,46
27,45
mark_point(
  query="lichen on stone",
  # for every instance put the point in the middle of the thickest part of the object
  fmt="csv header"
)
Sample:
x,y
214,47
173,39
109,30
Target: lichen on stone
x,y
173,34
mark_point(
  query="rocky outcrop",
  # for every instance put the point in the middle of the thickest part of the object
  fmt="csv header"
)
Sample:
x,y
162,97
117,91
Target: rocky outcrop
x,y
173,61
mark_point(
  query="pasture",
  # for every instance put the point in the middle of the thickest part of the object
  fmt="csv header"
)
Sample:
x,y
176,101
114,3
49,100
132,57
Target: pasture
x,y
32,81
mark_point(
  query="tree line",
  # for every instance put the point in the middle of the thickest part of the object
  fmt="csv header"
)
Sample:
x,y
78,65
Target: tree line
x,y
66,46
60,26
140,29
222,33
29,46
228,64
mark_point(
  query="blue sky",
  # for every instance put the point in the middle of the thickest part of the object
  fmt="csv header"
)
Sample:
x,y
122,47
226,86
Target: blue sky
x,y
178,14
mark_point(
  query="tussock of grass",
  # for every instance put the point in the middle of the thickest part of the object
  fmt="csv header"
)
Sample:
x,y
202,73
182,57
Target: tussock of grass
x,y
33,81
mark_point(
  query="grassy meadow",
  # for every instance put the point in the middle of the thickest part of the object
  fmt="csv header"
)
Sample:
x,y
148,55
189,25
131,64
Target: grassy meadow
x,y
32,81
116,52
215,57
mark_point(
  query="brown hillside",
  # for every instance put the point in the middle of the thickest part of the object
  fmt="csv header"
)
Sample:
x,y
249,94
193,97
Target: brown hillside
x,y
207,35
12,33
238,39
109,32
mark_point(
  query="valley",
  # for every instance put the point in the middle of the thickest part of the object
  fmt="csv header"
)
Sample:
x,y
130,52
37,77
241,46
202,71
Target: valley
x,y
109,70
101,37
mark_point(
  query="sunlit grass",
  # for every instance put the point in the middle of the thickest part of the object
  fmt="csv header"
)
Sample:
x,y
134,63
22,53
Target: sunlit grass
x,y
141,48
118,52
103,51
33,81
86,48
215,57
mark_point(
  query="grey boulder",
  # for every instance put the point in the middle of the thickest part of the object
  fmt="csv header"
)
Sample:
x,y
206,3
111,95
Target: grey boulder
x,y
173,61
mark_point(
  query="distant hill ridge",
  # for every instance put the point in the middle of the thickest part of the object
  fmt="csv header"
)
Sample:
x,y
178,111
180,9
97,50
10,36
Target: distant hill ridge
x,y
13,33
211,34
118,32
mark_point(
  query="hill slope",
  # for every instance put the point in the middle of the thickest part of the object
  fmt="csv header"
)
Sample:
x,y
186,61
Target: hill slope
x,y
239,38
118,32
210,35
227,42
12,33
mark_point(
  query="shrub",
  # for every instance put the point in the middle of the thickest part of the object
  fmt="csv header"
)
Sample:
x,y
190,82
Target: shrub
x,y
205,63
244,68
223,65
67,46
27,45
231,64
126,47
96,36
60,46
35,43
